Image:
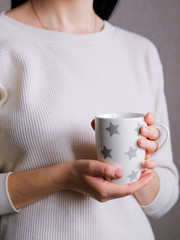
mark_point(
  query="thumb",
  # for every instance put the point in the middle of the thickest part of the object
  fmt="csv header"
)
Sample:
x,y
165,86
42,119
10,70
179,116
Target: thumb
x,y
99,169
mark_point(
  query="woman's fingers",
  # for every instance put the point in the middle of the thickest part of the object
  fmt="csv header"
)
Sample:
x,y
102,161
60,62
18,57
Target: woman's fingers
x,y
152,133
150,163
120,190
95,186
150,146
98,169
150,118
146,171
142,182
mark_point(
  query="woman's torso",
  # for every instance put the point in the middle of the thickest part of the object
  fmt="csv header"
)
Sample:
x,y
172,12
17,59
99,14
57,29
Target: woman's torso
x,y
54,92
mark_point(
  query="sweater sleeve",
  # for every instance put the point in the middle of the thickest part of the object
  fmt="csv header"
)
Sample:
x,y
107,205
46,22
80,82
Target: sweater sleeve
x,y
166,169
6,205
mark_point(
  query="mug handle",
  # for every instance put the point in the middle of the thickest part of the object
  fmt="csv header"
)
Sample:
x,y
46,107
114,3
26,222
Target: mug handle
x,y
160,124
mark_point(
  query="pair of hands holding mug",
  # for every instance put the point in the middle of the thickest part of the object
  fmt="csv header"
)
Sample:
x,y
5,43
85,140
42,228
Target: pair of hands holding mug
x,y
89,175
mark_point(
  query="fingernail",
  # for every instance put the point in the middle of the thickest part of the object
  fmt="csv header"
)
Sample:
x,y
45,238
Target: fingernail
x,y
118,173
145,130
150,117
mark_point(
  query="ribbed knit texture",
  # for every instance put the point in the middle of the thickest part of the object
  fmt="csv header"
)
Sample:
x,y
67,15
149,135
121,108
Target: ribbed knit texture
x,y
52,84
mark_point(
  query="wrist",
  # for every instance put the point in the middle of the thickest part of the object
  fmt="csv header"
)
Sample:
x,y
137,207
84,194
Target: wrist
x,y
147,194
60,175
30,186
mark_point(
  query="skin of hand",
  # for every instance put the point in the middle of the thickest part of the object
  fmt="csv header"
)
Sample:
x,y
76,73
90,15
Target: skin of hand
x,y
147,193
149,144
85,176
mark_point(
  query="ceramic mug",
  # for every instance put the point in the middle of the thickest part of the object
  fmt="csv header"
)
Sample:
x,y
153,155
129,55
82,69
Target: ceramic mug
x,y
116,136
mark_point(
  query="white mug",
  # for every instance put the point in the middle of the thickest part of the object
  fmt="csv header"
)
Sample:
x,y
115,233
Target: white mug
x,y
116,136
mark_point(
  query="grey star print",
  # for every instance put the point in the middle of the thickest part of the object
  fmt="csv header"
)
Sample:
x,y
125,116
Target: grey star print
x,y
133,175
138,128
131,153
112,129
106,152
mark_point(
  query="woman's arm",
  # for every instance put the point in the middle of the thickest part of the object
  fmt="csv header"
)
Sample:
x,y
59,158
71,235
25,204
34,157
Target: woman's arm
x,y
29,186
84,176
159,196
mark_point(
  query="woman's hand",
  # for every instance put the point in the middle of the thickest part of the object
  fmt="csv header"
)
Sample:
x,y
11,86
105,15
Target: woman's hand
x,y
86,176
146,193
149,144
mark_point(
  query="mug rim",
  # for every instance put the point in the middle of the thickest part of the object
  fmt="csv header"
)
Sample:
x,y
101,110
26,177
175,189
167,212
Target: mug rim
x,y
121,115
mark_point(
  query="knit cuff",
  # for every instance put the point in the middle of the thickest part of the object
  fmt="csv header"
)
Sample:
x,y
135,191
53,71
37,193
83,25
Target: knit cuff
x,y
162,202
6,205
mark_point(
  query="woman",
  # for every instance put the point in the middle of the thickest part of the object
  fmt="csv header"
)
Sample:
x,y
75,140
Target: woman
x,y
62,64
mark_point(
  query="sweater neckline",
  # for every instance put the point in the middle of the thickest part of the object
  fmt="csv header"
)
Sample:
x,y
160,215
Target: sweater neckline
x,y
102,37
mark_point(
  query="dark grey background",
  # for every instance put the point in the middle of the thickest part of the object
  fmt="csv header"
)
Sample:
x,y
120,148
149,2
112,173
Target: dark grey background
x,y
158,20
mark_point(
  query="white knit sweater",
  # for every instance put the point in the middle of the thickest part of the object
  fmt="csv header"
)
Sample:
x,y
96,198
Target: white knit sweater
x,y
52,84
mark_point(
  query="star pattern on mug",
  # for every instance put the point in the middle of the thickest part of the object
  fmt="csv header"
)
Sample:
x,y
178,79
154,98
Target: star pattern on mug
x,y
137,129
133,175
131,153
112,129
106,152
